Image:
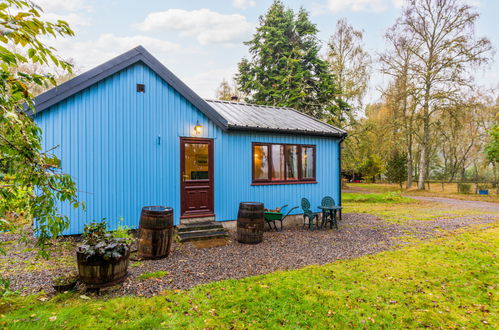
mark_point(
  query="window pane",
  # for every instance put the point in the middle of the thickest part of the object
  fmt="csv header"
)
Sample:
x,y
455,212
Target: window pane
x,y
277,162
196,161
307,162
291,162
261,162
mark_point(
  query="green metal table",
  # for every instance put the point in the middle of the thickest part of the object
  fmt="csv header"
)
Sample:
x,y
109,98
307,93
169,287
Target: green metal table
x,y
330,217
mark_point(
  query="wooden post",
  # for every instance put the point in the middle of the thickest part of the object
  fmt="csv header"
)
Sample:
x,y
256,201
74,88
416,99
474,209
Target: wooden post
x,y
443,189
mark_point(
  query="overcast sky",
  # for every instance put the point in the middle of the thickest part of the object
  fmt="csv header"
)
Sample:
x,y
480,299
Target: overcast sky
x,y
201,41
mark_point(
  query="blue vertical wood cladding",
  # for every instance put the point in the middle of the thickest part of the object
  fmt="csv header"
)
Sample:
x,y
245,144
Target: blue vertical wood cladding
x,y
108,142
233,174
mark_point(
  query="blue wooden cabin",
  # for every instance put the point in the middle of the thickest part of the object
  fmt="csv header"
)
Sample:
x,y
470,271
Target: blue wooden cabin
x,y
131,134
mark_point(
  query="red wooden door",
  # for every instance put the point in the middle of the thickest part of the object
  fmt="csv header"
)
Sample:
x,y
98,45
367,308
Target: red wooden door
x,y
196,177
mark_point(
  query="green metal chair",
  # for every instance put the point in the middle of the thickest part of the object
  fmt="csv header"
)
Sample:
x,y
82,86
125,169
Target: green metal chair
x,y
328,216
308,214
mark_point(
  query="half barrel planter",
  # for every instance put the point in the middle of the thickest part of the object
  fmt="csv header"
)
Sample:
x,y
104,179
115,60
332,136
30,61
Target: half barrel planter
x,y
97,272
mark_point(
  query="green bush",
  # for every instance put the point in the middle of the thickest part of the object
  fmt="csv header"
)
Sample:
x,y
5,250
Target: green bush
x,y
464,188
5,288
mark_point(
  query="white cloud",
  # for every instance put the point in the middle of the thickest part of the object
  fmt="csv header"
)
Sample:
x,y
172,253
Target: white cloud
x,y
206,83
87,54
475,3
373,5
399,3
72,11
243,4
205,25
73,19
61,5
356,5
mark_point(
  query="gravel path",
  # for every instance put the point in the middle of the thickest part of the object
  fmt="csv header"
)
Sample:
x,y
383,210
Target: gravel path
x,y
187,266
476,205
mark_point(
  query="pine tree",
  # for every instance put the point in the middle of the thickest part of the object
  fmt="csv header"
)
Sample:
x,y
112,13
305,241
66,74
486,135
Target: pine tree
x,y
285,68
396,168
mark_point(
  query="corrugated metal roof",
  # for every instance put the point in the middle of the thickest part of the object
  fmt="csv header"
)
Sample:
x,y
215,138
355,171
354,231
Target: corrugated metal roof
x,y
245,116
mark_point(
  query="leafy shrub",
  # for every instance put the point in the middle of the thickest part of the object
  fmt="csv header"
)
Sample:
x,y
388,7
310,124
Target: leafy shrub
x,y
99,242
123,232
464,188
5,288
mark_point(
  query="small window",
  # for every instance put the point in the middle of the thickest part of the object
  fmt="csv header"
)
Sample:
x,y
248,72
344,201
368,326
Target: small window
x,y
291,162
261,163
277,162
283,163
308,162
141,88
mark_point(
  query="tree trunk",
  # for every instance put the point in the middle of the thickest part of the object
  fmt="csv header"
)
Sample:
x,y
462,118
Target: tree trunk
x,y
495,177
409,165
423,160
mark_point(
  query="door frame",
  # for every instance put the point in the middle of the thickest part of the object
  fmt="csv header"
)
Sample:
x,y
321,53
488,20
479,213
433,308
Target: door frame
x,y
211,176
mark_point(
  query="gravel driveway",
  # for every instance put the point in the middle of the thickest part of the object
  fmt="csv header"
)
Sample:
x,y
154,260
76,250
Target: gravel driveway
x,y
187,266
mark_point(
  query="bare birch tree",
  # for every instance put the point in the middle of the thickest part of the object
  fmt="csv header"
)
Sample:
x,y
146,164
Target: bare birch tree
x,y
228,92
445,51
350,63
396,62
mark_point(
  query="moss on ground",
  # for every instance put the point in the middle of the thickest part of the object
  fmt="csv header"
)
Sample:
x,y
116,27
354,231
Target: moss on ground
x,y
158,274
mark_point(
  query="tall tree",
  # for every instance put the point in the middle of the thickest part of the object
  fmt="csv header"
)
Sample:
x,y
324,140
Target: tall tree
x,y
396,61
284,68
445,51
492,150
349,62
31,170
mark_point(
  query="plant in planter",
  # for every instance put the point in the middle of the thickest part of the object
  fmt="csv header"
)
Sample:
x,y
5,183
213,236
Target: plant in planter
x,y
103,256
62,283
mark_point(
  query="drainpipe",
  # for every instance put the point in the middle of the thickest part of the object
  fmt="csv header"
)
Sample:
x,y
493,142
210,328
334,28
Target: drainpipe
x,y
343,137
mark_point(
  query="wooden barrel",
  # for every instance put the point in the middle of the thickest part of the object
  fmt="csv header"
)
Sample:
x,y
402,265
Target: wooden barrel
x,y
155,232
250,222
96,272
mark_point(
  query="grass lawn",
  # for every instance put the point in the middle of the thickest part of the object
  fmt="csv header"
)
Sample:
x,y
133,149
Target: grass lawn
x,y
449,191
451,281
393,207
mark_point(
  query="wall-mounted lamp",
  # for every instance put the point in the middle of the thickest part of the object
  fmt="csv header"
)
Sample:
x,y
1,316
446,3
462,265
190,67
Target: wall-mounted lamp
x,y
198,128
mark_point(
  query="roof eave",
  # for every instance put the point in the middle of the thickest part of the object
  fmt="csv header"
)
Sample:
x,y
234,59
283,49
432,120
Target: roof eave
x,y
340,135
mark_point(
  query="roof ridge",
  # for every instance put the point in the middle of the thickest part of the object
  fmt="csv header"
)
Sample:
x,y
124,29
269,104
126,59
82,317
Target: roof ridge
x,y
249,104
